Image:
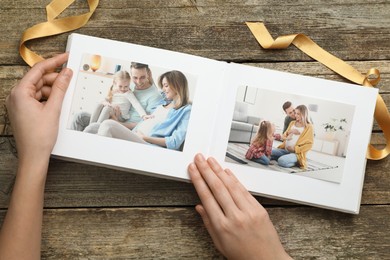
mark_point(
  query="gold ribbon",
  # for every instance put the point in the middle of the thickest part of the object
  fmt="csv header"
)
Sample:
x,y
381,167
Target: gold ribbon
x,y
305,44
53,26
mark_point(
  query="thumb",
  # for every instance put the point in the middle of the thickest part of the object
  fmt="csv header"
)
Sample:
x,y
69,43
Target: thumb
x,y
59,88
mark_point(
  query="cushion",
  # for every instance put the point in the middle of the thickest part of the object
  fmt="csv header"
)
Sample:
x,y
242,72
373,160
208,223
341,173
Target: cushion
x,y
240,112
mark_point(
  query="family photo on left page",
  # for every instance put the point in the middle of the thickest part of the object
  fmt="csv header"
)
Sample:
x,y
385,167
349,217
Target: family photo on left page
x,y
132,101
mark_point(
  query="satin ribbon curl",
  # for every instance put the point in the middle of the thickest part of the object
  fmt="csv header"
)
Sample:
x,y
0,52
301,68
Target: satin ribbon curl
x,y
305,44
53,26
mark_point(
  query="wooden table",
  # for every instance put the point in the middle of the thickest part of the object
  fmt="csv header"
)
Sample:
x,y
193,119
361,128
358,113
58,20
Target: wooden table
x,y
93,212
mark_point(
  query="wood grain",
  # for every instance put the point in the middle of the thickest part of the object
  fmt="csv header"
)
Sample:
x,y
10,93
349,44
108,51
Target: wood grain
x,y
73,185
216,29
177,233
97,213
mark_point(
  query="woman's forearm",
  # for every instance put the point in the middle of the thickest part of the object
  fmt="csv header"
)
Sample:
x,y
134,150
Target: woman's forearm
x,y
155,140
20,236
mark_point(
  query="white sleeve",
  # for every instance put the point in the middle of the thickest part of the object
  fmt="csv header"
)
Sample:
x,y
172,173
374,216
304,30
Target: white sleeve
x,y
135,103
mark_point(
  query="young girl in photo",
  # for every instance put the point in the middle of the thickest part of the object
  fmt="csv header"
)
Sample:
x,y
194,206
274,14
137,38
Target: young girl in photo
x,y
261,146
118,102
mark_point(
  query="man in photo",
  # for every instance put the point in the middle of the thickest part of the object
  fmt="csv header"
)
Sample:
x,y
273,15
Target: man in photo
x,y
290,114
145,91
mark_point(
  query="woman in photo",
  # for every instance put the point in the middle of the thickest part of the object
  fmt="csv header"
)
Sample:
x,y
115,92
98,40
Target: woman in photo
x,y
298,140
167,125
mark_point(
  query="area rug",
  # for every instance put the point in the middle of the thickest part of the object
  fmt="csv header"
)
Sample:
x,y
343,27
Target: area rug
x,y
236,152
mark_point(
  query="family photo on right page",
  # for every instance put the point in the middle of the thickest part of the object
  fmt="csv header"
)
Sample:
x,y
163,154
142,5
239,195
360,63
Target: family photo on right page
x,y
294,137
289,133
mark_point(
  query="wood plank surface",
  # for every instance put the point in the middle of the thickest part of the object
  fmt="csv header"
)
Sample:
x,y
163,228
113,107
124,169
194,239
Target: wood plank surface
x,y
72,185
216,29
178,233
97,213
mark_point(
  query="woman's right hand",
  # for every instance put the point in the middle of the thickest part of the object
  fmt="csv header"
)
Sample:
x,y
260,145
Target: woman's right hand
x,y
290,149
238,225
295,131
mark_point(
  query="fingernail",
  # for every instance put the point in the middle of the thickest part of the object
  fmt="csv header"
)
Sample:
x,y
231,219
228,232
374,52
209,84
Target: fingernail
x,y
191,166
228,172
67,72
212,159
200,157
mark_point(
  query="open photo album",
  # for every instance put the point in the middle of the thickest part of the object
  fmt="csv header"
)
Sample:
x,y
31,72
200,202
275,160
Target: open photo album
x,y
147,110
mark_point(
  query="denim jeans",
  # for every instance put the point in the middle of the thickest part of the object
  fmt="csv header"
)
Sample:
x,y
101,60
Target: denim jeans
x,y
284,158
262,160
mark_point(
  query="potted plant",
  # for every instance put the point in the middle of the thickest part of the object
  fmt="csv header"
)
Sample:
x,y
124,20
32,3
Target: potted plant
x,y
333,126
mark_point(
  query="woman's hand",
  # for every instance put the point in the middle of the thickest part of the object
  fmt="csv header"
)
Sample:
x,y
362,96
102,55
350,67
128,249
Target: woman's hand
x,y
34,107
140,135
295,132
146,117
290,149
238,225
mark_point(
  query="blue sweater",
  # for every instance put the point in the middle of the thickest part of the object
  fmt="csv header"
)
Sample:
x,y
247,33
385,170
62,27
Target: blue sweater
x,y
174,127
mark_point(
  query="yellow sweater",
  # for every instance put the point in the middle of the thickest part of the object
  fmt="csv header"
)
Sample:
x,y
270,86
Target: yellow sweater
x,y
303,145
